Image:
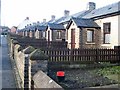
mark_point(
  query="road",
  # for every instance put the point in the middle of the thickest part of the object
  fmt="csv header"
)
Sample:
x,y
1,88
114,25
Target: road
x,y
6,72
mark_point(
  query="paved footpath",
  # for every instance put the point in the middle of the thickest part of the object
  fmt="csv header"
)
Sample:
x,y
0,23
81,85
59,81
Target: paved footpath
x,y
6,72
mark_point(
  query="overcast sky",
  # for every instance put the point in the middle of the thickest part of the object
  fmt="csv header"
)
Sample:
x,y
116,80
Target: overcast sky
x,y
15,11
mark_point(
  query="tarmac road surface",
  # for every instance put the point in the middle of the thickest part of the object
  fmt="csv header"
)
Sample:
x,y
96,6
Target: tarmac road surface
x,y
6,72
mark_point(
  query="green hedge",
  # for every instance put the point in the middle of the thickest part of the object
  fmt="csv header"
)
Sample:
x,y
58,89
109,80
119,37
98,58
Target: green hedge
x,y
38,55
29,50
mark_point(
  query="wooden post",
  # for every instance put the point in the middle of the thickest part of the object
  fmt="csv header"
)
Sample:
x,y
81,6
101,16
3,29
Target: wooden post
x,y
96,54
117,48
71,56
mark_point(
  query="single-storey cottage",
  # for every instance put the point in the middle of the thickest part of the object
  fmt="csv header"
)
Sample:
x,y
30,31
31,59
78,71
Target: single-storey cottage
x,y
40,31
91,28
55,32
83,33
108,18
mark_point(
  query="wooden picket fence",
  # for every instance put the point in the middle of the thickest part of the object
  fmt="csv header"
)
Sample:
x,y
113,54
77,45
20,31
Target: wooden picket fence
x,y
82,55
38,43
59,53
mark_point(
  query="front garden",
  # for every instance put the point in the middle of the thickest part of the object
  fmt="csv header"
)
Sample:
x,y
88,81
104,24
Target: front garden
x,y
89,76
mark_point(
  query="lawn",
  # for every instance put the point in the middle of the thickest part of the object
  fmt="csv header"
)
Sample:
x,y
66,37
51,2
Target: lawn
x,y
112,72
115,77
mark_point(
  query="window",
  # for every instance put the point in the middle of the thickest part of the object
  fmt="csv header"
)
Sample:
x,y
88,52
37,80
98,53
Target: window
x,y
33,33
106,33
58,34
43,34
90,35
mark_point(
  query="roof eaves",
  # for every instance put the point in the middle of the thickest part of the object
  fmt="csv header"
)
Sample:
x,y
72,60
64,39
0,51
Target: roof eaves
x,y
89,27
68,25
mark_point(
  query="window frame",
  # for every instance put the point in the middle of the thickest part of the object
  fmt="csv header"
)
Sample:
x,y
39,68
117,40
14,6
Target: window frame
x,y
59,34
106,30
90,41
43,34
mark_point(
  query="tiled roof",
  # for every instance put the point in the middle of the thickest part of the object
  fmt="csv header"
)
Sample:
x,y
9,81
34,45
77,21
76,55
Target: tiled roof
x,y
91,14
54,26
81,14
77,15
24,23
32,27
86,23
4,27
51,21
43,23
20,30
62,19
109,9
27,28
41,27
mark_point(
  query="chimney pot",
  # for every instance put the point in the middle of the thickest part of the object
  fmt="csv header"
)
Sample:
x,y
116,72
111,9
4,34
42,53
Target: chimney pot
x,y
91,6
34,23
27,18
66,13
44,20
38,22
53,17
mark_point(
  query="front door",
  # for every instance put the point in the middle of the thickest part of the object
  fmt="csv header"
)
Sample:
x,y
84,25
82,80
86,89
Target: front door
x,y
72,38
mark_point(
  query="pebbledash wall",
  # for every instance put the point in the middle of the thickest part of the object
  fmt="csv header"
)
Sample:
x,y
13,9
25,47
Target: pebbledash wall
x,y
115,31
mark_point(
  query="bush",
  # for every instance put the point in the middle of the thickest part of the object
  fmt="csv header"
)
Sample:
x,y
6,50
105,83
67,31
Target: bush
x,y
38,55
29,50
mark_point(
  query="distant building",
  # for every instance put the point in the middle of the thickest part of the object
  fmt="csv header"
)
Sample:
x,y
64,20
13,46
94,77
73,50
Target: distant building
x,y
13,29
108,19
4,29
90,28
24,23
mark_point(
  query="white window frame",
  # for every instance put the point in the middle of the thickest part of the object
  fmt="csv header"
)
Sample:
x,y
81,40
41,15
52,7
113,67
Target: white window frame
x,y
59,34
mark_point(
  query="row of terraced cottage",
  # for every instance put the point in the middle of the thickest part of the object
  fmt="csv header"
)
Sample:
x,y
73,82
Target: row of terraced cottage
x,y
92,28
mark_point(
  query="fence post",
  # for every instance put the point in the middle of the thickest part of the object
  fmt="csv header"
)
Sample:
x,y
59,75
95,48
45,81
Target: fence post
x,y
96,56
71,56
118,53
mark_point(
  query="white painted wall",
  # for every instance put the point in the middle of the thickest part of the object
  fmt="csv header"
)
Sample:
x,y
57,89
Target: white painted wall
x,y
77,37
37,34
65,25
50,34
77,33
114,30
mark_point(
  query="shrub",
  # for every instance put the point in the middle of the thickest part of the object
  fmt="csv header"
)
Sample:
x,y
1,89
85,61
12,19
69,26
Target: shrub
x,y
29,50
38,55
